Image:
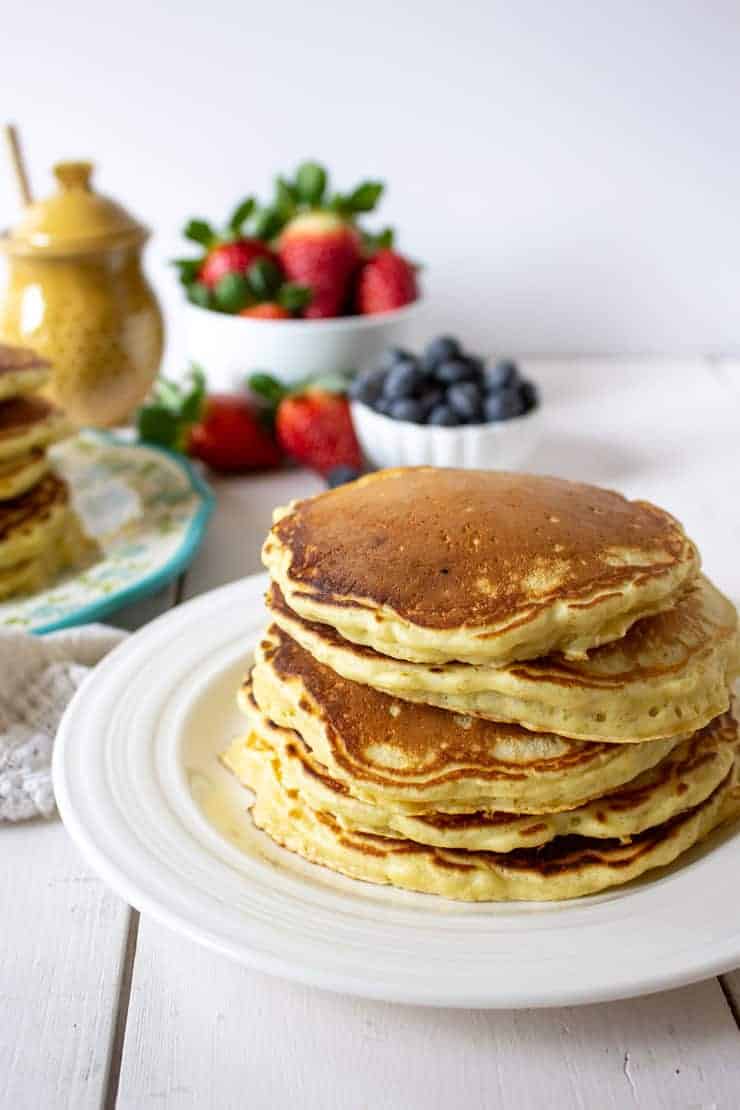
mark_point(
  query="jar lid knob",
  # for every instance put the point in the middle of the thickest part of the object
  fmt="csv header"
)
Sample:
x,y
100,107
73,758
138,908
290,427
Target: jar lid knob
x,y
74,175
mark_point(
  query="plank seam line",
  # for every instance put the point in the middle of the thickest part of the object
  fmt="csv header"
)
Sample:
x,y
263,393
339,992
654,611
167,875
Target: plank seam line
x,y
113,1077
730,1000
124,998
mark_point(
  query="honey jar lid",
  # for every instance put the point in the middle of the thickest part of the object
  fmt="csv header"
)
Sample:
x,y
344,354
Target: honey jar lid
x,y
73,220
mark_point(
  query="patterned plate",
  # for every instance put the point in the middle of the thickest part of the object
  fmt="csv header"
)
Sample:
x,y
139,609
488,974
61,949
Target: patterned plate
x,y
148,511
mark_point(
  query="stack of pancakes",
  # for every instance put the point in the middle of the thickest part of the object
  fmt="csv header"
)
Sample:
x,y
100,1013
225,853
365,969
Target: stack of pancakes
x,y
489,686
39,533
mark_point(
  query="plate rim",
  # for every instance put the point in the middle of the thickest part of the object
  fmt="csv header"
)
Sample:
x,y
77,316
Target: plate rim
x,y
629,984
156,579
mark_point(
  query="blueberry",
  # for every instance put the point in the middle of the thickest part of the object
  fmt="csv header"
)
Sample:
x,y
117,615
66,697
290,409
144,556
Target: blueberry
x,y
368,386
383,406
392,355
402,380
407,409
456,370
443,416
441,349
503,405
466,400
429,398
500,376
338,475
529,395
476,366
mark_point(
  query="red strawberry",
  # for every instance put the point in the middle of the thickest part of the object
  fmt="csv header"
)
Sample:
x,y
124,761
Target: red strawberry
x,y
225,430
267,310
316,429
230,437
386,282
231,258
322,251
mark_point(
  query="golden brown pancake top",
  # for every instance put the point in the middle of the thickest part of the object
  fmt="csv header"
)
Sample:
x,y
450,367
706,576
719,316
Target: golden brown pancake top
x,y
652,648
20,413
452,548
34,507
13,359
363,725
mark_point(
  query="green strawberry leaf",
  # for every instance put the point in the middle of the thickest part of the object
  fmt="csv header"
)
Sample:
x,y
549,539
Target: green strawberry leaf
x,y
157,424
169,394
167,419
268,223
366,196
188,269
340,203
198,231
268,388
241,214
232,293
200,294
375,241
310,182
191,404
286,198
294,297
264,278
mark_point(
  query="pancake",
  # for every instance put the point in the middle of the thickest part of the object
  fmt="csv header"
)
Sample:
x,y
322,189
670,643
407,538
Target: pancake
x,y
670,674
435,565
682,780
71,548
21,371
29,422
19,474
567,867
420,758
30,524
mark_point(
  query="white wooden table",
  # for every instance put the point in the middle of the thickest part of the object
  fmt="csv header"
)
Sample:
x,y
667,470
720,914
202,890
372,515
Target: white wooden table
x,y
99,1007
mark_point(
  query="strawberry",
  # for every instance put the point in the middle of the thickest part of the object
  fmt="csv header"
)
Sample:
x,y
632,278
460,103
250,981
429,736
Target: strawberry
x,y
230,436
312,421
226,431
267,310
321,250
316,429
231,258
386,282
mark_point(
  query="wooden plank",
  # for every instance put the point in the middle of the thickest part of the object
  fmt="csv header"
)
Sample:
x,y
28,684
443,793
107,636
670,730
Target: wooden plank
x,y
62,956
208,1034
61,951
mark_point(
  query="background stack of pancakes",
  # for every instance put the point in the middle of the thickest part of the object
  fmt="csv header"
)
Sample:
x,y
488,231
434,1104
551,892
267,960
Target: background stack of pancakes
x,y
489,686
39,533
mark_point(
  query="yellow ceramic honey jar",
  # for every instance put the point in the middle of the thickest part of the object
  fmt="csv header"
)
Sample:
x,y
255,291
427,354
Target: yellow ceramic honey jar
x,y
77,294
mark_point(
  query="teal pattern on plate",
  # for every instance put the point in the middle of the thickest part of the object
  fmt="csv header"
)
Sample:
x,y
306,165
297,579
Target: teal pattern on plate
x,y
147,508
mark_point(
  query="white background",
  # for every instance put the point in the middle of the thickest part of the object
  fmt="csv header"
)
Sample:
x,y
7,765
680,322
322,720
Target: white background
x,y
568,172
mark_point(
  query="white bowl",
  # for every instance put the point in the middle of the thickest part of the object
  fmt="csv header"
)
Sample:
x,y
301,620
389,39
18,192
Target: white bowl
x,y
504,445
231,347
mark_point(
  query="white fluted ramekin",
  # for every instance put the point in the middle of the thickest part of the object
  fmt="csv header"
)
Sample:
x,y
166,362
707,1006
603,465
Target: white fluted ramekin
x,y
504,445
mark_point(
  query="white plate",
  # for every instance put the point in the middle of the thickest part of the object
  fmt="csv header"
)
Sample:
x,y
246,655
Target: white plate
x,y
141,792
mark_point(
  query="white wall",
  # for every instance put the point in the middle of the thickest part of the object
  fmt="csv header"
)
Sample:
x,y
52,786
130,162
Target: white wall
x,y
569,172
